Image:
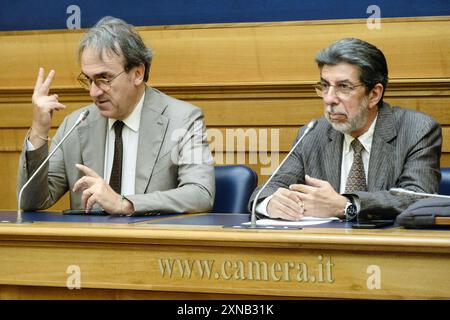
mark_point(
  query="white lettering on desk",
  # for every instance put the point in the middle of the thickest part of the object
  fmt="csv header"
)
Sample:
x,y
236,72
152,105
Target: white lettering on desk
x,y
374,279
251,270
74,278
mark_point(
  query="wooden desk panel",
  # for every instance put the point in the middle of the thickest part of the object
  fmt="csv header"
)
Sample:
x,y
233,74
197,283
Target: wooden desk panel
x,y
189,262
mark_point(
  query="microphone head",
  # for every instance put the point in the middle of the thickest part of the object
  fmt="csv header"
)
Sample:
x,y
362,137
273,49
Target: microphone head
x,y
84,114
404,192
396,191
311,125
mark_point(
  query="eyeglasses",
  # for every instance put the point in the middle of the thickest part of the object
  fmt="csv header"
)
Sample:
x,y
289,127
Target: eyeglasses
x,y
342,90
103,84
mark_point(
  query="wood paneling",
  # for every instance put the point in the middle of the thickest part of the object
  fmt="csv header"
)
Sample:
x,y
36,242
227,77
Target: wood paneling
x,y
116,260
235,53
252,80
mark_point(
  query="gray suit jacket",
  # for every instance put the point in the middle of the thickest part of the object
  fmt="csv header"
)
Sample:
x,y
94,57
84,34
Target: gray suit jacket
x,y
174,169
405,153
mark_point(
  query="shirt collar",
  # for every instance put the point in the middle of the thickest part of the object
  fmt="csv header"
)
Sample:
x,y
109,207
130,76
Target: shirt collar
x,y
365,139
134,119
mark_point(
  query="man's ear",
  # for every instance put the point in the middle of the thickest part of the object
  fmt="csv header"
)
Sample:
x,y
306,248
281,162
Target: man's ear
x,y
375,95
139,74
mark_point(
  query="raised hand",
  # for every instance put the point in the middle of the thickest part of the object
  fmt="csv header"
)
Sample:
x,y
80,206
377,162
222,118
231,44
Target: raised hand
x,y
43,107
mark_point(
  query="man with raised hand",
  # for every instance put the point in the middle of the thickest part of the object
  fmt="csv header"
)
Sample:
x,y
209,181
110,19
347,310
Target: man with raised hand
x,y
139,151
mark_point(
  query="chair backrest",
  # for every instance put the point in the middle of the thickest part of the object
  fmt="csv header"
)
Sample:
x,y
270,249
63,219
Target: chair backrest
x,y
234,186
444,186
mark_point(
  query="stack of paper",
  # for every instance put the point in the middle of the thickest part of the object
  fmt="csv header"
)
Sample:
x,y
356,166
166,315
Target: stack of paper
x,y
305,221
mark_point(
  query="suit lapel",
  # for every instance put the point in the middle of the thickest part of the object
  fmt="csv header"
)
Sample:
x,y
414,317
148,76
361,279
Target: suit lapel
x,y
333,157
382,152
152,130
92,140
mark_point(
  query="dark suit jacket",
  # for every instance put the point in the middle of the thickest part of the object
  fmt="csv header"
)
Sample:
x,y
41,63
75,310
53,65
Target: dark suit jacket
x,y
405,153
174,166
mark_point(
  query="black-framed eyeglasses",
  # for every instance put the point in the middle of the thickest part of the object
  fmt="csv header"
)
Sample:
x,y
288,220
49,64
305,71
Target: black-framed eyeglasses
x,y
102,83
342,89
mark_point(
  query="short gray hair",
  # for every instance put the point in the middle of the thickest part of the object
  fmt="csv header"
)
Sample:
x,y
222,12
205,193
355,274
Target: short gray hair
x,y
370,60
117,36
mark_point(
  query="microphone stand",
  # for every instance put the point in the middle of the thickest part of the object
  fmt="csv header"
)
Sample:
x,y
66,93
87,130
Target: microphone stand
x,y
253,225
19,219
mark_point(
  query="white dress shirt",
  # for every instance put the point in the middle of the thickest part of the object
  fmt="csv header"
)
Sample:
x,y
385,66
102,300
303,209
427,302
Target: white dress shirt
x,y
347,160
130,138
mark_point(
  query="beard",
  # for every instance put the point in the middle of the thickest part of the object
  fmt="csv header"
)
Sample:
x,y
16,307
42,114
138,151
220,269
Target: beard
x,y
352,124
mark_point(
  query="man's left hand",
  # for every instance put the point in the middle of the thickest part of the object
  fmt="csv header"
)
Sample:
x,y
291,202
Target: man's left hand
x,y
96,190
319,198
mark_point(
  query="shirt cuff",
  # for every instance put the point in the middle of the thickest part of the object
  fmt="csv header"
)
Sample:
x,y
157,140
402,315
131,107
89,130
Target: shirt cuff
x,y
262,206
29,146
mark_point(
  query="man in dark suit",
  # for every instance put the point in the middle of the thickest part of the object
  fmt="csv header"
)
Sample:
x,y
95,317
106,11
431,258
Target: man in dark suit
x,y
359,150
139,150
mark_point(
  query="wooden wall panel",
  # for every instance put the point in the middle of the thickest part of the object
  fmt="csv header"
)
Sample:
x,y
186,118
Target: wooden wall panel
x,y
237,53
250,79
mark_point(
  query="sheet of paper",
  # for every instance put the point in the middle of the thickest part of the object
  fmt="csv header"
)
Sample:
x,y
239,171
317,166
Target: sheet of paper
x,y
305,221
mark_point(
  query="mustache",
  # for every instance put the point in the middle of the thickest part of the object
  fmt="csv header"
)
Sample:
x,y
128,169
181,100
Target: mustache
x,y
98,99
335,110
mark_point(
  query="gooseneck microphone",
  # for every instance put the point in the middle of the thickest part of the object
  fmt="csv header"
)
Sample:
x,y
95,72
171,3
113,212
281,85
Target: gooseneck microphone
x,y
81,118
309,127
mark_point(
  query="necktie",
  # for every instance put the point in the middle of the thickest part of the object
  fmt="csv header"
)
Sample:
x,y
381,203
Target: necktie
x,y
115,180
356,180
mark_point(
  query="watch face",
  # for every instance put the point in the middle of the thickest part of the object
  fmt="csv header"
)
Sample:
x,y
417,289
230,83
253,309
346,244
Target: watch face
x,y
350,212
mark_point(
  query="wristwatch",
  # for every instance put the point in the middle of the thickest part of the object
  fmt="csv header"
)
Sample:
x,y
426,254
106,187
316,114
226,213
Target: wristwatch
x,y
350,211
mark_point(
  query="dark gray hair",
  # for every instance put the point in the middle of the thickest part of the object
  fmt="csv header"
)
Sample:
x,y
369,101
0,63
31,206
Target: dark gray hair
x,y
115,35
370,60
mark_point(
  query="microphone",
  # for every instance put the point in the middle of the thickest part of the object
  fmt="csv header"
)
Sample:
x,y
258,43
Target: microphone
x,y
309,127
404,192
80,119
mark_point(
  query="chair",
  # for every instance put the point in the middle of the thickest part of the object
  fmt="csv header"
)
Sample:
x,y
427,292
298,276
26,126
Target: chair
x,y
234,186
444,186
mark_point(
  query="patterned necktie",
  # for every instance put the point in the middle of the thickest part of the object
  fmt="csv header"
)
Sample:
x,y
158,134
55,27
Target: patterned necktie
x,y
356,180
115,180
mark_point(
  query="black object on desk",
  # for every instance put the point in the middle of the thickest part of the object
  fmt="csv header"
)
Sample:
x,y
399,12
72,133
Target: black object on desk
x,y
84,213
426,213
372,224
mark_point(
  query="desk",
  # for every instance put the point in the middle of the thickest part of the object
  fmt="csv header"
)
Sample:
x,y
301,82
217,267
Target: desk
x,y
170,257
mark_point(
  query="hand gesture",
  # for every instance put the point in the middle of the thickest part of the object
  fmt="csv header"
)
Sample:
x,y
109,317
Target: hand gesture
x,y
319,198
96,190
285,204
43,106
